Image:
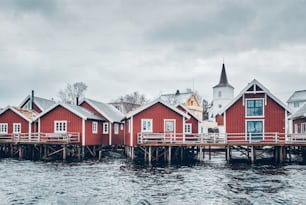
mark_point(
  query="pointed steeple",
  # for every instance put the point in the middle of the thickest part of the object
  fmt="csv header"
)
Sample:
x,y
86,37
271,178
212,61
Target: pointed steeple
x,y
223,79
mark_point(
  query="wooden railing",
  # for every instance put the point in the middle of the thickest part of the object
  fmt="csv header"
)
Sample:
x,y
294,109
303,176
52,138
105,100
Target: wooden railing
x,y
220,138
70,137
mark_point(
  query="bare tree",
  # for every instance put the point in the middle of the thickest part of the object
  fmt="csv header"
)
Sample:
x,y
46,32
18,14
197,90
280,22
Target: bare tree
x,y
131,101
72,92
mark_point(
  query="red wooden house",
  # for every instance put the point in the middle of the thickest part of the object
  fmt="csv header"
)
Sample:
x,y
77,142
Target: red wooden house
x,y
154,118
192,124
112,127
299,121
65,118
17,121
255,114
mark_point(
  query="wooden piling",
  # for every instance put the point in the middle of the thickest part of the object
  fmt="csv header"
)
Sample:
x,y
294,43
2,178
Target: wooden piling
x,y
150,154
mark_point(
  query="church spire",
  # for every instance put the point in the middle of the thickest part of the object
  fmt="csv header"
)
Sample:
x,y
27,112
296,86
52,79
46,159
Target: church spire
x,y
223,79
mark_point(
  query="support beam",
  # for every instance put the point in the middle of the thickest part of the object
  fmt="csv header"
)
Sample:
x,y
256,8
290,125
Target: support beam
x,y
150,154
169,154
64,153
253,154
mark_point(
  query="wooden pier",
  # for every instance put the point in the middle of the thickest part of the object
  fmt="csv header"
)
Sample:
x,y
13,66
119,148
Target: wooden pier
x,y
169,146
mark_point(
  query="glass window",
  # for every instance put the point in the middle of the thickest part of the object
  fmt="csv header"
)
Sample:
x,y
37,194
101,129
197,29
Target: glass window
x,y
146,125
3,128
60,126
188,128
296,104
116,129
95,127
255,129
255,107
303,127
105,128
17,128
169,126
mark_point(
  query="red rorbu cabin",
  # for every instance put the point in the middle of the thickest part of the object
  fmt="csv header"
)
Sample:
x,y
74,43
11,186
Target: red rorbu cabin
x,y
66,118
255,114
156,118
112,127
16,121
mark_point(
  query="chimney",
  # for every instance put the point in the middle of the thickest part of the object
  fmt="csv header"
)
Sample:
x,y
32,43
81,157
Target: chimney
x,y
32,100
77,101
177,92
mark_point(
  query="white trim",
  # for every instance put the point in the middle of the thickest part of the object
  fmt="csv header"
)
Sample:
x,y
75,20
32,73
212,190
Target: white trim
x,y
224,122
16,112
61,122
38,126
246,108
105,125
1,128
30,129
184,134
94,127
110,133
18,126
254,120
131,132
83,132
151,125
174,125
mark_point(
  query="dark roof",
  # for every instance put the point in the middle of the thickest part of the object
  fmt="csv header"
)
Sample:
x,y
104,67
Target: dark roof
x,y
223,79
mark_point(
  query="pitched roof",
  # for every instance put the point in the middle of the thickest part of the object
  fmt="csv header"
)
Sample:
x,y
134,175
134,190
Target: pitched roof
x,y
223,79
297,96
150,104
42,103
190,113
256,85
107,110
28,115
77,110
177,98
300,113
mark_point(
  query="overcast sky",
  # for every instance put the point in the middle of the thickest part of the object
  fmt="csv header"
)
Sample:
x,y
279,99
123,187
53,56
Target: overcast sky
x,y
120,46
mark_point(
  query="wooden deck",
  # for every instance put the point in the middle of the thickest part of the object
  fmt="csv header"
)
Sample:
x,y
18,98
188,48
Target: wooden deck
x,y
40,138
220,140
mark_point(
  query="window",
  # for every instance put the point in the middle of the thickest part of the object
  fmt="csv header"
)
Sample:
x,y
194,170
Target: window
x,y
219,94
3,128
146,125
95,127
60,126
303,127
116,129
296,104
105,128
16,128
169,125
188,128
121,126
255,129
254,107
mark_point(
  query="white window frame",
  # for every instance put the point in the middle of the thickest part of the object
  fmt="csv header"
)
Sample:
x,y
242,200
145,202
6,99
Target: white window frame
x,y
16,128
3,128
246,107
303,127
173,121
61,123
105,128
188,128
116,128
94,127
148,125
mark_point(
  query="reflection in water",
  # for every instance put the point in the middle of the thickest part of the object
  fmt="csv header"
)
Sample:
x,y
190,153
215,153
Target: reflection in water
x,y
118,181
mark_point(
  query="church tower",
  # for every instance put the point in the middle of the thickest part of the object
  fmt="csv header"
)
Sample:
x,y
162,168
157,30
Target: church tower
x,y
223,93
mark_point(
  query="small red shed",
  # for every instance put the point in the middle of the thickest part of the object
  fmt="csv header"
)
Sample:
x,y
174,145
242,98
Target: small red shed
x,y
66,118
112,127
255,114
15,120
156,117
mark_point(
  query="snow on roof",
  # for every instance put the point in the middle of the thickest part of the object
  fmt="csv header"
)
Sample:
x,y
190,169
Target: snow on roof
x,y
297,96
42,103
148,105
107,110
300,113
189,112
79,111
255,83
26,114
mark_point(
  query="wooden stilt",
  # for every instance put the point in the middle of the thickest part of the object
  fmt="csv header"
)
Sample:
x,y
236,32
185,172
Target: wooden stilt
x,y
252,155
182,153
64,152
145,154
132,153
209,151
201,154
150,154
169,154
100,155
157,153
20,152
228,153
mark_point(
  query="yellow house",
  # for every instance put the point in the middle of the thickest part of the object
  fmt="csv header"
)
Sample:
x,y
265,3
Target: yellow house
x,y
189,99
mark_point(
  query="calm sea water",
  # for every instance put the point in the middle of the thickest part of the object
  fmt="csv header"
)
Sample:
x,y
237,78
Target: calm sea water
x,y
118,181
